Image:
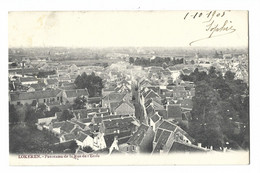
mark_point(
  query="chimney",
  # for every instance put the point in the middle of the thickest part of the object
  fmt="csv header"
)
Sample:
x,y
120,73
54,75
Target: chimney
x,y
199,145
22,68
13,85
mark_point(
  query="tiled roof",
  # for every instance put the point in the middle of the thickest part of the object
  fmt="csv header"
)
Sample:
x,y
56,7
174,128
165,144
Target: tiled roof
x,y
156,117
38,86
70,136
162,141
81,137
52,81
34,95
114,96
122,137
85,120
174,111
67,127
80,124
58,124
27,79
150,111
124,102
156,102
166,125
158,134
150,94
138,136
113,105
178,146
77,93
122,122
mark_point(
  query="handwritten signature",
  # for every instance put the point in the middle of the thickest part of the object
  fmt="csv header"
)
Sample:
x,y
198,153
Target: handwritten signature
x,y
212,25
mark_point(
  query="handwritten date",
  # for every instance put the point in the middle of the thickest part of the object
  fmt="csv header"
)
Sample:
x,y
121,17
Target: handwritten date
x,y
214,27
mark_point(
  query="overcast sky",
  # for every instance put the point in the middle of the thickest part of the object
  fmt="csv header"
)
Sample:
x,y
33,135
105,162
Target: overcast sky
x,y
112,29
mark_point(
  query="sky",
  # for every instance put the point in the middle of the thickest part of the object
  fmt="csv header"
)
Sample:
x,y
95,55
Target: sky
x,y
124,29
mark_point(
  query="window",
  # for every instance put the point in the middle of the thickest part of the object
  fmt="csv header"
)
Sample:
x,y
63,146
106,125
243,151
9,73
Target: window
x,y
18,103
44,100
58,98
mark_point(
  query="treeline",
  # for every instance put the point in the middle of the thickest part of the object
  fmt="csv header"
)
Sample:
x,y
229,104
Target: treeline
x,y
220,114
93,83
157,61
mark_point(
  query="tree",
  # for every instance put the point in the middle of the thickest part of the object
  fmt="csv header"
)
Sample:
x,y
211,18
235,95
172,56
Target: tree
x,y
73,146
31,116
229,76
93,83
42,107
80,103
88,149
13,116
55,109
131,60
206,124
66,115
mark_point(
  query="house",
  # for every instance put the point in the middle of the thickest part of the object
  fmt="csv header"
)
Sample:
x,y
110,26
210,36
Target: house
x,y
150,94
25,71
86,121
142,140
155,102
186,71
108,90
46,120
186,104
80,125
116,125
28,80
36,87
80,113
124,108
123,89
170,137
67,86
73,68
84,140
120,126
51,83
113,99
174,112
67,137
111,141
67,127
155,121
55,127
18,98
70,95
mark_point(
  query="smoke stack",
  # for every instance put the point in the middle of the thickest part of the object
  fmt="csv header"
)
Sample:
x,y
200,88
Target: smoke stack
x,y
22,68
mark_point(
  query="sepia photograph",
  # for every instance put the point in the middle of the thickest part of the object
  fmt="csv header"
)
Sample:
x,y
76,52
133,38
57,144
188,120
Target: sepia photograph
x,y
117,87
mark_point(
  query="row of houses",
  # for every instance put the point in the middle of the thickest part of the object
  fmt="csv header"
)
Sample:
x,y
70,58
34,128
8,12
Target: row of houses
x,y
121,133
47,96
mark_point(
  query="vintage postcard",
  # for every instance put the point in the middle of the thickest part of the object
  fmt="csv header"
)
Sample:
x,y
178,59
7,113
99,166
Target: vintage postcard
x,y
128,88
